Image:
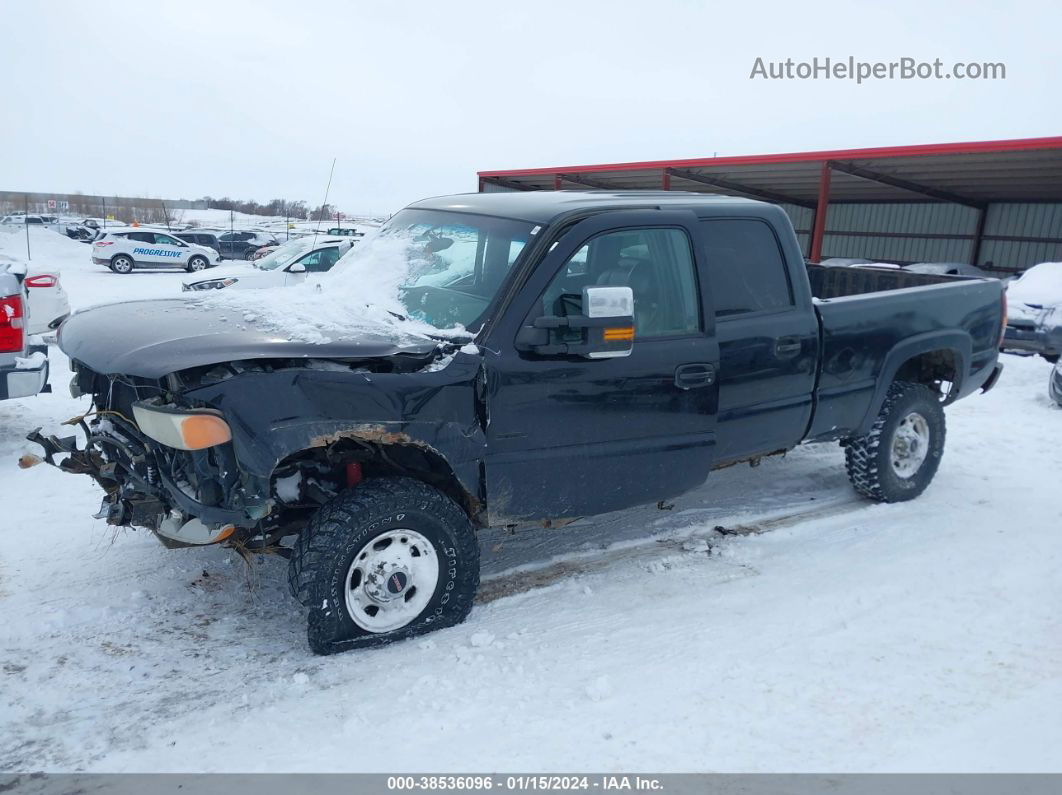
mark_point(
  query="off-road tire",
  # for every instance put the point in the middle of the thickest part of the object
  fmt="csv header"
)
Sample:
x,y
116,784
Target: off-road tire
x,y
127,264
191,264
324,551
867,457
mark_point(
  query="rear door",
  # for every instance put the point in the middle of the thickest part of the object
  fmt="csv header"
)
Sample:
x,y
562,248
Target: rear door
x,y
143,248
570,436
228,243
768,339
169,251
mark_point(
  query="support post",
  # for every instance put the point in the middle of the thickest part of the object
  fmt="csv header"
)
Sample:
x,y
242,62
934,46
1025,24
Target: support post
x,y
821,208
665,180
556,182
979,235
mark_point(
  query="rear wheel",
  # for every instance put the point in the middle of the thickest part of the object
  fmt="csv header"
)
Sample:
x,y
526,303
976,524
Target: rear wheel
x,y
122,264
899,457
196,263
387,560
249,254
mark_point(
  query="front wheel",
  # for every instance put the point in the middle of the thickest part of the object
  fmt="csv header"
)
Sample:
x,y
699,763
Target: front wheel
x,y
122,264
197,264
899,457
387,560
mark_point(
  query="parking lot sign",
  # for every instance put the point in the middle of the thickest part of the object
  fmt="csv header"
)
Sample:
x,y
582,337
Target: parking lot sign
x,y
51,204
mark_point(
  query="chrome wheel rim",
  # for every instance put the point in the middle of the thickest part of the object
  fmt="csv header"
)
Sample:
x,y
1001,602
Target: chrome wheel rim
x,y
910,445
198,265
391,580
122,265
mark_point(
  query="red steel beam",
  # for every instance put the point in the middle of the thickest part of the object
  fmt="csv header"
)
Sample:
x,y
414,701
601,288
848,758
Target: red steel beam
x,y
665,180
821,207
969,147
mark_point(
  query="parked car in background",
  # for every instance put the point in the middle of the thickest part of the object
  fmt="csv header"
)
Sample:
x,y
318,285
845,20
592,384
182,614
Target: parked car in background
x,y
124,249
200,238
950,269
88,229
32,220
23,356
1034,312
264,251
845,262
242,245
286,266
1054,383
48,303
338,231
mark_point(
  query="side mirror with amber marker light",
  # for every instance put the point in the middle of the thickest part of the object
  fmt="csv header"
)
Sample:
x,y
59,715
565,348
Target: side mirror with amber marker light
x,y
604,330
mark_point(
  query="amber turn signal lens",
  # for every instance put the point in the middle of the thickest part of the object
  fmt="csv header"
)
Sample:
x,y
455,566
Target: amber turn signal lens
x,y
619,334
204,430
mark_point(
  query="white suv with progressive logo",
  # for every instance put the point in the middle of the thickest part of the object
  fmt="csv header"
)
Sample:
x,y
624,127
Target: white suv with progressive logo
x,y
122,250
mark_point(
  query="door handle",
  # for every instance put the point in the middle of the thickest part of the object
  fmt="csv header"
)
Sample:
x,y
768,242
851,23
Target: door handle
x,y
787,347
692,376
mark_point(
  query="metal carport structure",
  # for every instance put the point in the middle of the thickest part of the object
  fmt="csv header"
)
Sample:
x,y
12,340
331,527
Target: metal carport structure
x,y
995,203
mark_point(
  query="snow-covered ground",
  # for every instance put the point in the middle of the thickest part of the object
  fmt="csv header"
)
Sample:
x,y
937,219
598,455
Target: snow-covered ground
x,y
823,634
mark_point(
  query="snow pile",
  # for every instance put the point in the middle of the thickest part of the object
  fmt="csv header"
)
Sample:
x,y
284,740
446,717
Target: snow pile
x,y
360,295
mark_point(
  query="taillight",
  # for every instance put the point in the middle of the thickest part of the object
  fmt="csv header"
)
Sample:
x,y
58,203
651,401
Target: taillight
x,y
11,331
42,280
104,243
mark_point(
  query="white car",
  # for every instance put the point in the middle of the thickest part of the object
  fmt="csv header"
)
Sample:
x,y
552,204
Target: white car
x,y
290,264
124,249
46,299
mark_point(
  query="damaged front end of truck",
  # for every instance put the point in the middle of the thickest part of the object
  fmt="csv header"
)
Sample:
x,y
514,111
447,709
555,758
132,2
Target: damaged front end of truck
x,y
233,435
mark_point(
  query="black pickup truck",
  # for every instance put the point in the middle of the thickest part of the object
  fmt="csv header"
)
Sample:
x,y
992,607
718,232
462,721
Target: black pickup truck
x,y
625,345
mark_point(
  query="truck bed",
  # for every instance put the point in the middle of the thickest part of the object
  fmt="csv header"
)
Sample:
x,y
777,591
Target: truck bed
x,y
843,282
869,317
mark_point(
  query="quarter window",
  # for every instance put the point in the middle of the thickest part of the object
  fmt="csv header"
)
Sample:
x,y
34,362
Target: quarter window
x,y
746,271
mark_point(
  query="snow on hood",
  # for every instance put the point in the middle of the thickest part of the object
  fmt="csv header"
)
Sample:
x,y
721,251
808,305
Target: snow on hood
x,y
360,295
1041,284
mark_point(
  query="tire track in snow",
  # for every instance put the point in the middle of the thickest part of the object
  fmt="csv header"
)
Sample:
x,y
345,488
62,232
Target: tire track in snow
x,y
524,578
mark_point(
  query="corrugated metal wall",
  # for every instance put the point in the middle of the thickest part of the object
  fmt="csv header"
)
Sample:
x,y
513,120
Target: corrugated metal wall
x,y
917,232
1039,224
1016,236
802,219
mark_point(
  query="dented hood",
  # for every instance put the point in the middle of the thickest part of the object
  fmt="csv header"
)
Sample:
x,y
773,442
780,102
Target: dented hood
x,y
152,339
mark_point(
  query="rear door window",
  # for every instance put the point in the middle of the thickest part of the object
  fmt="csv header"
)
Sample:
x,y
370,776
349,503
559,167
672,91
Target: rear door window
x,y
746,269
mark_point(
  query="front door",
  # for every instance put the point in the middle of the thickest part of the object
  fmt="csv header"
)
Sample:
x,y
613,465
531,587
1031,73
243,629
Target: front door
x,y
570,436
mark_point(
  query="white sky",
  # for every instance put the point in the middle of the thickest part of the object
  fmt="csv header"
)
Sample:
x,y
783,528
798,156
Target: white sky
x,y
254,99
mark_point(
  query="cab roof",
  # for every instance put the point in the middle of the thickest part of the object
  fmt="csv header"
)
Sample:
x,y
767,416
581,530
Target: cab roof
x,y
542,207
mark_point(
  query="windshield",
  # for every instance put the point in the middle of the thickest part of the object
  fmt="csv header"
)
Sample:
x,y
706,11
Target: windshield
x,y
284,254
447,266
